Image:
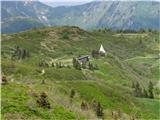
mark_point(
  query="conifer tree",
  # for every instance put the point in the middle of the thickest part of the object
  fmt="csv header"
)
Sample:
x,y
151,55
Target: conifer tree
x,y
150,90
74,61
138,90
4,80
99,110
43,101
145,94
23,55
76,64
84,106
91,67
72,94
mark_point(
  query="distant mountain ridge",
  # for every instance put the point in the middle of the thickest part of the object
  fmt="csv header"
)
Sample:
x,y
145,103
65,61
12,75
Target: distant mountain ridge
x,y
98,14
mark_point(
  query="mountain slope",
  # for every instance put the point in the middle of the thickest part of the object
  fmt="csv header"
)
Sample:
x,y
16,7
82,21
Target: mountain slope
x,y
115,14
131,57
20,24
25,15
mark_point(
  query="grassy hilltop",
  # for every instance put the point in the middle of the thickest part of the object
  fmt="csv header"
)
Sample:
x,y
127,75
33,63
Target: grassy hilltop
x,y
131,58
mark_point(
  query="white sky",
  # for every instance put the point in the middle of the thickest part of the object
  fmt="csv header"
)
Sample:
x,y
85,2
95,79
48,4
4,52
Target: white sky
x,y
77,0
89,0
64,0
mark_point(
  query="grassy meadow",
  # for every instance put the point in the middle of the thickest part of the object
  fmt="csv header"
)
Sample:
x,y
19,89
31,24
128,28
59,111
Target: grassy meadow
x,y
130,58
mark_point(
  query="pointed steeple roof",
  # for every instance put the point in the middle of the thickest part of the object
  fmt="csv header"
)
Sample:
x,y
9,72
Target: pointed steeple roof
x,y
102,49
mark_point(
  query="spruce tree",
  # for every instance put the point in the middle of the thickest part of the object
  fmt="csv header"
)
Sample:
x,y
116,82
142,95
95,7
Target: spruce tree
x,y
150,90
145,94
18,52
84,106
138,90
99,110
4,80
78,66
74,62
91,67
43,101
23,55
72,94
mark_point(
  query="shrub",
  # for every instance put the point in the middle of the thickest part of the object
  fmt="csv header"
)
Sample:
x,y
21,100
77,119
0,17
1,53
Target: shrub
x,y
43,81
4,80
150,90
94,105
138,90
91,67
76,64
99,110
65,35
20,53
145,94
84,106
95,54
43,101
72,94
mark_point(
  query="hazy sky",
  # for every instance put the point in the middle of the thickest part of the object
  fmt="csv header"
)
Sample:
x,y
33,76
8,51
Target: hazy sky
x,y
66,0
55,3
89,0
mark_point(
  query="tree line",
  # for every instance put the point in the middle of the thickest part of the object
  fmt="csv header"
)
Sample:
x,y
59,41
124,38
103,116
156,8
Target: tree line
x,y
142,92
55,65
20,53
84,65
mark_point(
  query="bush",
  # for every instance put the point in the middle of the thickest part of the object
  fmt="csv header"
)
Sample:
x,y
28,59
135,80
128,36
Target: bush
x,y
43,82
43,101
4,80
20,53
65,35
72,94
138,90
99,110
91,67
95,54
145,94
76,64
94,105
150,90
84,106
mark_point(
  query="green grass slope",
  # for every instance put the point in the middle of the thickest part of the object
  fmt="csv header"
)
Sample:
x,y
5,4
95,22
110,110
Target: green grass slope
x,y
130,58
